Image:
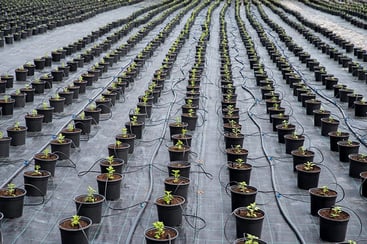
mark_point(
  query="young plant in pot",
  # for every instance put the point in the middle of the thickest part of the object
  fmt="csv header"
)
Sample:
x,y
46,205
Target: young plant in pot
x,y
19,98
333,224
228,127
83,122
307,175
239,171
177,184
336,136
177,126
249,239
116,163
34,121
109,184
72,133
293,141
236,152
75,229
57,103
233,138
93,112
119,150
61,146
139,114
4,145
347,147
242,194
35,181
249,220
135,127
12,201
90,205
321,197
301,155
7,105
46,111
160,234
190,118
283,129
128,138
170,208
328,124
183,136
179,152
17,133
46,161
357,164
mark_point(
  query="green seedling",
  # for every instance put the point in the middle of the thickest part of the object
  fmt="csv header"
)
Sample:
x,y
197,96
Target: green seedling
x,y
168,197
176,175
251,210
11,189
90,195
242,186
308,165
110,172
251,239
159,229
75,221
37,170
335,211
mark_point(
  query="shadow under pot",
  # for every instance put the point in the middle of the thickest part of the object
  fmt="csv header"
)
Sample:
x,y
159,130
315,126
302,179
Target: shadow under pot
x,y
94,113
127,138
321,198
336,136
17,134
109,186
72,234
61,147
183,166
347,147
90,206
46,162
169,236
7,106
248,224
307,177
11,203
35,182
238,172
178,186
135,128
84,124
301,156
4,147
170,213
293,142
119,150
242,197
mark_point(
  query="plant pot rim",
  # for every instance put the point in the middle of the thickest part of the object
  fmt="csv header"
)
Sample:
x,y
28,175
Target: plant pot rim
x,y
122,146
319,111
316,169
233,189
346,143
181,178
230,165
128,136
21,128
24,192
363,175
281,127
48,174
165,227
243,151
45,108
326,120
311,191
353,155
89,203
74,131
37,116
37,155
183,200
249,218
118,161
5,138
110,180
56,142
332,219
290,136
173,148
342,134
95,110
84,218
185,164
307,153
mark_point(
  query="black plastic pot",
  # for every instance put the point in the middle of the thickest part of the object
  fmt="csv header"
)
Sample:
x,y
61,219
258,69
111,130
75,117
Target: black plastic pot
x,y
61,149
12,206
250,225
135,128
4,147
83,124
17,135
170,214
151,240
57,104
293,143
345,148
183,166
79,236
36,185
94,114
307,179
240,199
332,229
92,210
328,125
181,188
109,188
179,154
319,201
73,135
34,122
129,139
120,151
363,177
239,172
46,163
335,137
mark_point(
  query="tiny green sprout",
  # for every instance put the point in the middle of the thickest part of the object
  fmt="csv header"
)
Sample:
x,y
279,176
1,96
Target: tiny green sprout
x,y
276,106
134,120
159,229
44,105
308,165
90,195
191,112
242,186
70,127
239,161
75,221
237,149
325,189
251,239
57,96
16,125
27,86
232,122
136,110
285,123
183,131
1,134
294,135
124,132
37,170
189,102
82,115
178,120
251,210
110,171
60,138
11,189
338,132
236,131
110,159
6,98
118,143
179,145
176,175
349,142
92,106
80,78
168,197
352,242
331,119
335,211
66,89
302,150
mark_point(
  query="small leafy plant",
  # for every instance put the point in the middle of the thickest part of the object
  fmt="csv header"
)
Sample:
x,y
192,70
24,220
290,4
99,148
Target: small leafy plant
x,y
242,186
36,170
159,229
11,189
251,239
110,172
90,195
124,132
325,190
308,166
251,210
335,211
176,175
167,197
75,221
60,138
179,145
